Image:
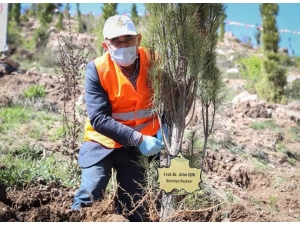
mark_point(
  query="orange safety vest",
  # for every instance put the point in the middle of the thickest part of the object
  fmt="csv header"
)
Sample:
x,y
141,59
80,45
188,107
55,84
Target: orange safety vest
x,y
131,107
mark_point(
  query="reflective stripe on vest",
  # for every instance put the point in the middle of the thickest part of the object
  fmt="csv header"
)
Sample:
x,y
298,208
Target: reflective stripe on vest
x,y
133,115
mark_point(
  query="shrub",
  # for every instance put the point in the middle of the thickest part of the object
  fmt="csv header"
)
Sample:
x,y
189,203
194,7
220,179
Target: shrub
x,y
250,69
35,91
271,86
40,37
13,35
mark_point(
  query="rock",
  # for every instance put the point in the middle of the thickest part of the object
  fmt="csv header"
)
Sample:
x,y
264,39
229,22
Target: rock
x,y
33,70
9,61
295,105
232,70
7,69
293,115
2,69
231,51
220,51
243,97
290,78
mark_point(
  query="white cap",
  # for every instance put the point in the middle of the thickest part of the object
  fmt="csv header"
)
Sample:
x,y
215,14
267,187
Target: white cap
x,y
118,25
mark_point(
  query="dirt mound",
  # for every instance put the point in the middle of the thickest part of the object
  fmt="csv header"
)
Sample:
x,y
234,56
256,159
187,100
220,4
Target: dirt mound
x,y
43,203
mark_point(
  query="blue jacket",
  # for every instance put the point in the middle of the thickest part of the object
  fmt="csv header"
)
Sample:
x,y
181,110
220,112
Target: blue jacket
x,y
99,112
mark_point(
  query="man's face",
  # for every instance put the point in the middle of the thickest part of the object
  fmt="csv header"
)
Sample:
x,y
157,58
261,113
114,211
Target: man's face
x,y
124,41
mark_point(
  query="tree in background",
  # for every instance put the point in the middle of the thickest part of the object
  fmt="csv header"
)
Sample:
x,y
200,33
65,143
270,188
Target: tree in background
x,y
80,28
134,14
270,35
32,10
15,12
257,35
9,8
13,35
272,83
291,48
59,24
108,10
44,13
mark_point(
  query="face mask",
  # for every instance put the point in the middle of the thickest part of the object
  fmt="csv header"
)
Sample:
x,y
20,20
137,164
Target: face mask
x,y
123,56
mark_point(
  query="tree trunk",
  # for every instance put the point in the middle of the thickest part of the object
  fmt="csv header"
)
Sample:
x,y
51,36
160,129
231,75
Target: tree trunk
x,y
168,205
169,200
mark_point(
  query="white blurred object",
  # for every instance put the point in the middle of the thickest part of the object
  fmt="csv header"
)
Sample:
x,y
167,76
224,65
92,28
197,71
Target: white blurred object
x,y
3,25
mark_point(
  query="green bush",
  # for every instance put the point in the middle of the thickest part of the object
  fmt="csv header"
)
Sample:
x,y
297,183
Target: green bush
x,y
13,33
250,69
271,86
40,37
35,91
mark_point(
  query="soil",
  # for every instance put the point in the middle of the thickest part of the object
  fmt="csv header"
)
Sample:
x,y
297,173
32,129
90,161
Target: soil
x,y
266,193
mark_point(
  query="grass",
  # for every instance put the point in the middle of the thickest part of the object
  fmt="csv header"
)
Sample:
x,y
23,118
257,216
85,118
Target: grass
x,y
259,165
12,117
57,134
294,132
263,125
213,143
273,204
35,91
281,147
205,197
25,161
13,120
24,166
291,161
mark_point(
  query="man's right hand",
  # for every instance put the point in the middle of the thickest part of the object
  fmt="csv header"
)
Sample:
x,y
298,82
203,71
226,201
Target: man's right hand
x,y
149,145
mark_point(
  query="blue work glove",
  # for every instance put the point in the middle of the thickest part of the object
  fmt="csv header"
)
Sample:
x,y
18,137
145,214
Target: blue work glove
x,y
150,146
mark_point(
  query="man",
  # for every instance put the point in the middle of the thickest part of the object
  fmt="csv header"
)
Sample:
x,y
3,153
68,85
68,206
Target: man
x,y
121,124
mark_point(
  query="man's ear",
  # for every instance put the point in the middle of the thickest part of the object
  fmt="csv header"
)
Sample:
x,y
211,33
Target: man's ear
x,y
139,39
104,45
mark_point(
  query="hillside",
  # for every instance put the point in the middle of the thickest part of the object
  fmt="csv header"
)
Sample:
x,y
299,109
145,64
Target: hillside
x,y
252,164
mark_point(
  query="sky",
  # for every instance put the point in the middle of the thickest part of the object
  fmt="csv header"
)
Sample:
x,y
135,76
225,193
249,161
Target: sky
x,y
242,20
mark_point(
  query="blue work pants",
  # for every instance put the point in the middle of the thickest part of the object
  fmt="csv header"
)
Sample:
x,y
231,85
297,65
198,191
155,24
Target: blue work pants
x,y
129,175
